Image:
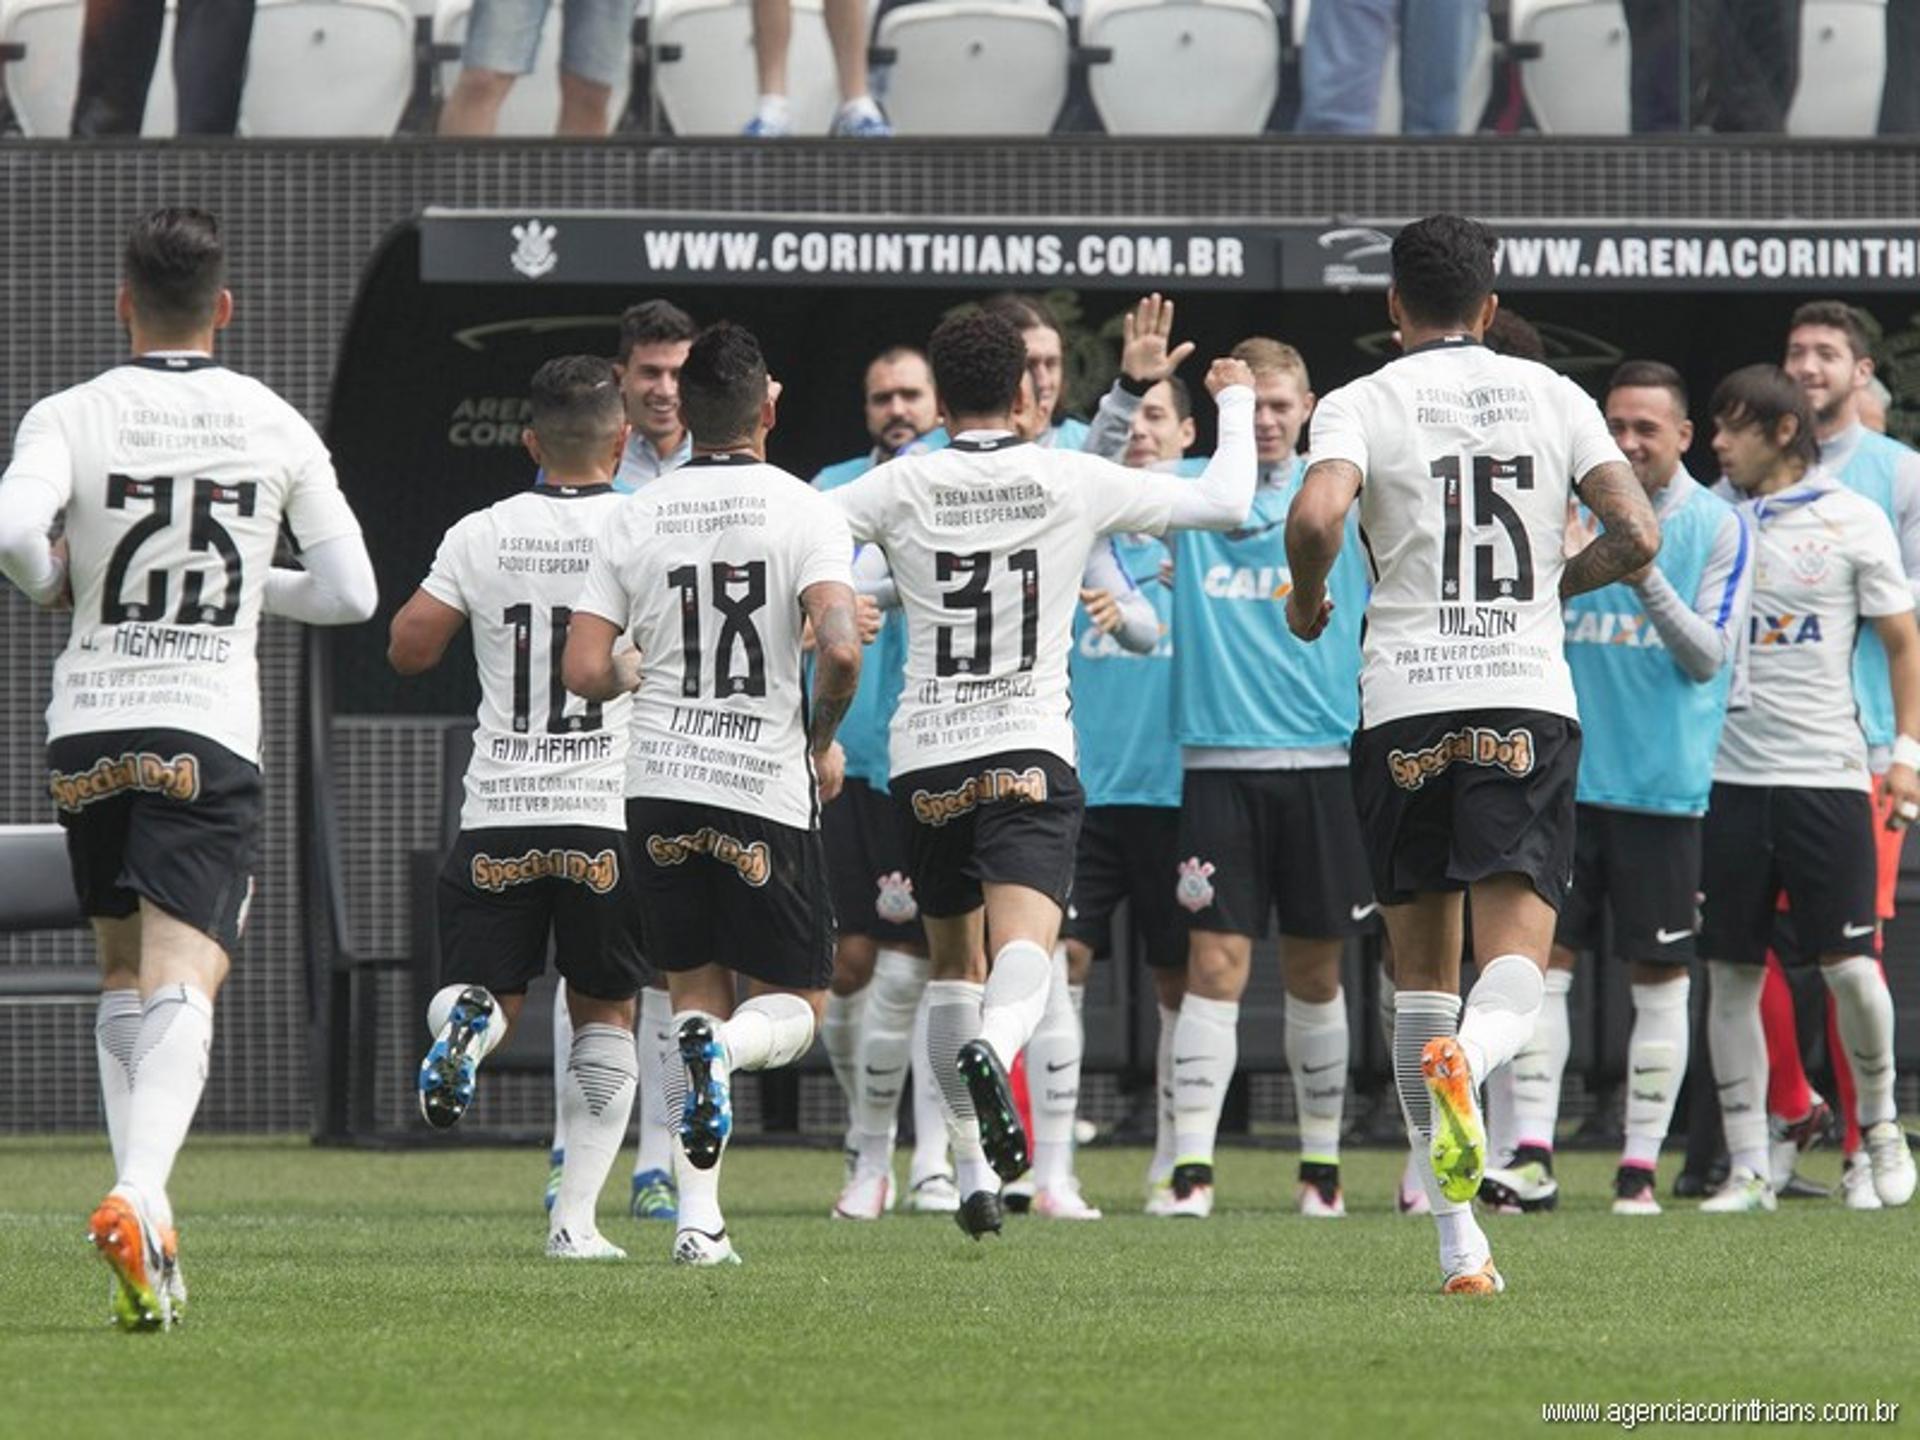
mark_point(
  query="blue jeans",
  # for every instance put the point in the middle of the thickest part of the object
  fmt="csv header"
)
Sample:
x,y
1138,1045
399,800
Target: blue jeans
x,y
1346,50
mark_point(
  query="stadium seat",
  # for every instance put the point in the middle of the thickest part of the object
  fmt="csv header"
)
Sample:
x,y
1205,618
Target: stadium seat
x,y
702,57
533,105
1843,68
41,85
36,893
1578,83
1196,67
1473,100
973,67
327,67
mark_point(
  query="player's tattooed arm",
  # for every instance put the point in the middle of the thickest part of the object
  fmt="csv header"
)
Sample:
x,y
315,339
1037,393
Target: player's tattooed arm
x,y
829,605
421,632
1316,526
1629,537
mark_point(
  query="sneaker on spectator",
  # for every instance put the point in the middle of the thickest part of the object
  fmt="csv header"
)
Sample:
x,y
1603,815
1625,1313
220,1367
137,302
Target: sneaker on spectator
x,y
861,119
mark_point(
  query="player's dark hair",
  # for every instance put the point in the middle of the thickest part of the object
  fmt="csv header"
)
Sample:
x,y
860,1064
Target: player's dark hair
x,y
577,411
977,360
1650,375
1763,395
1026,312
723,385
653,322
1512,334
1182,397
894,354
1835,315
1443,269
175,268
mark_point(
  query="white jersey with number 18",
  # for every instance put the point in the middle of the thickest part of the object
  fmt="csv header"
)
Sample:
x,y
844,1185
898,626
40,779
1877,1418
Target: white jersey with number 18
x,y
1467,460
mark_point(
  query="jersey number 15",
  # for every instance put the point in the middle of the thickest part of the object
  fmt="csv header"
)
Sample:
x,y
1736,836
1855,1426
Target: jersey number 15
x,y
1489,508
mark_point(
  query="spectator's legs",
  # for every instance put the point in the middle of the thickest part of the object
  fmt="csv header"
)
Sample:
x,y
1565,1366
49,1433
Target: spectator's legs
x,y
119,42
210,63
1654,36
474,106
1900,101
1346,48
1756,47
772,36
847,29
596,53
583,106
1437,39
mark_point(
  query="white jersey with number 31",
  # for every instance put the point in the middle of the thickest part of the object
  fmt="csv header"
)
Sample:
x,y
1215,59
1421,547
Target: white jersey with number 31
x,y
1468,460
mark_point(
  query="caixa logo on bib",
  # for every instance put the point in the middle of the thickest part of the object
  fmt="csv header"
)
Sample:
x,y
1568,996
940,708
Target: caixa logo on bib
x,y
533,254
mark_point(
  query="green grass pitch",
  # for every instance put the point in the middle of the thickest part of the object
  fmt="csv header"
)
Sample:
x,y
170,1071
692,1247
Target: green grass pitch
x,y
360,1296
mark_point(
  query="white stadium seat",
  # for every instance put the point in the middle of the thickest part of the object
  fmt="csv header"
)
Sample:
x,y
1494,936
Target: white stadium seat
x,y
1183,67
1580,84
327,67
532,107
41,86
967,68
704,80
1843,68
1474,96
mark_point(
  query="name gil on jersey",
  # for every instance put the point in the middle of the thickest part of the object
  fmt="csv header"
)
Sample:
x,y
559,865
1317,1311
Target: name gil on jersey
x,y
1783,629
937,807
1478,622
1593,627
1248,582
177,779
753,862
556,749
1475,745
599,873
166,642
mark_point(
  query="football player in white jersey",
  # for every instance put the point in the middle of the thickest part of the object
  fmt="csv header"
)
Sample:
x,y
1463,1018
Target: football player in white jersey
x,y
988,541
541,858
712,570
176,476
1791,808
1463,462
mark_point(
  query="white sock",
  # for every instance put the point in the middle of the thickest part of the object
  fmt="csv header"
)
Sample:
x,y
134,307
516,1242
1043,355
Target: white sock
x,y
767,1032
1500,1013
1541,1065
773,110
1656,1064
1738,1045
562,1047
953,1018
1015,997
1053,1080
1420,1016
603,1071
699,1205
116,1030
1496,1113
169,1073
1863,1014
840,1038
881,1061
1161,1166
1316,1038
654,1047
929,1120
1206,1047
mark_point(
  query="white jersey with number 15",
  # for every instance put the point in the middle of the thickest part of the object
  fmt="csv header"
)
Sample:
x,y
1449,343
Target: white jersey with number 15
x,y
1467,460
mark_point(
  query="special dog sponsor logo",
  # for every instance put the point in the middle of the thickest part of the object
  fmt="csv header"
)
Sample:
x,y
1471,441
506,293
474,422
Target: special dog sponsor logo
x,y
754,862
1028,787
177,779
1475,745
599,873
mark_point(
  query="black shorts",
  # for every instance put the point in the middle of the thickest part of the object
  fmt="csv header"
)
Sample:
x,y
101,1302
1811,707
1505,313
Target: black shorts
x,y
506,892
165,815
869,866
1130,853
1011,819
722,887
1644,870
1815,845
1253,841
1446,800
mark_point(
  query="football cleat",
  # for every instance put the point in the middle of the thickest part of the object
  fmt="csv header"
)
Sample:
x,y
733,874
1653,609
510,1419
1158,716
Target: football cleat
x,y
1411,1198
1318,1196
1787,1141
1159,1197
1192,1192
980,1214
556,1168
1633,1191
1891,1161
1016,1197
1524,1188
865,1196
654,1196
934,1194
707,1118
133,1251
566,1245
1856,1183
697,1247
1001,1135
447,1074
1481,1280
172,1279
1063,1202
1745,1193
1459,1144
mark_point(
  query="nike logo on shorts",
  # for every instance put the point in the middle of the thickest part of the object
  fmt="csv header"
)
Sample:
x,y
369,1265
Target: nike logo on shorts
x,y
1856,932
1360,912
1316,1069
1670,937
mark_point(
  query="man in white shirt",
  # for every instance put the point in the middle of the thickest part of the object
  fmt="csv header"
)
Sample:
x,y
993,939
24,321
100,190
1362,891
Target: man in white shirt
x,y
175,475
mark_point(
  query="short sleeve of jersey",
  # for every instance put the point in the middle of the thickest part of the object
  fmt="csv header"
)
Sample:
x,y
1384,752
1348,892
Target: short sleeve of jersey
x,y
41,453
316,511
1117,498
1879,579
827,554
604,593
1589,442
864,503
449,579
1335,432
